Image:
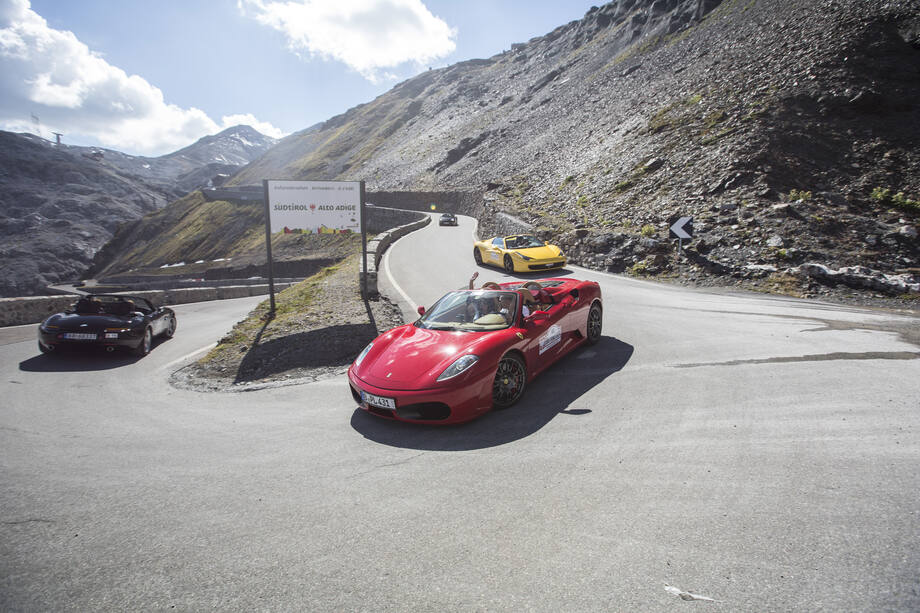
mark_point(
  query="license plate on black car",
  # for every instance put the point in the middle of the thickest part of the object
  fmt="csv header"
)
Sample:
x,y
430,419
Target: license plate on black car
x,y
79,336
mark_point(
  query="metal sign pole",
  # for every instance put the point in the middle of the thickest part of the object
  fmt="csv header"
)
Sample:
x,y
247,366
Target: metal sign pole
x,y
268,249
363,245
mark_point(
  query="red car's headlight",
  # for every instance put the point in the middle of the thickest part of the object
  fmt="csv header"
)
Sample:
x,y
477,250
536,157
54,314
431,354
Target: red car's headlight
x,y
460,365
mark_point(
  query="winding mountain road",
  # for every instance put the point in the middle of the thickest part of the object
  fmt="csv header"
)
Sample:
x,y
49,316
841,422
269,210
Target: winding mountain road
x,y
751,452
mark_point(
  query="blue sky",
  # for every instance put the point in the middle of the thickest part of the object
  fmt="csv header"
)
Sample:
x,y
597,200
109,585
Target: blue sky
x,y
151,77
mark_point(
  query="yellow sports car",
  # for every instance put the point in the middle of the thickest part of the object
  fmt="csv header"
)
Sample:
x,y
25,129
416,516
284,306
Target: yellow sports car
x,y
518,253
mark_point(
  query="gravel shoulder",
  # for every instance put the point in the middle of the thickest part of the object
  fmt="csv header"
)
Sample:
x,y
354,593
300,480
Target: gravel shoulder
x,y
320,327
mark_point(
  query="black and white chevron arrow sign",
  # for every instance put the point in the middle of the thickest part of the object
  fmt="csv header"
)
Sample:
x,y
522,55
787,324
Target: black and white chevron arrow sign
x,y
682,228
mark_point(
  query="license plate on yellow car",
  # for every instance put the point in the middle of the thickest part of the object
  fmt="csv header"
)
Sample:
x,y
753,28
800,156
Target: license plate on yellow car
x,y
378,401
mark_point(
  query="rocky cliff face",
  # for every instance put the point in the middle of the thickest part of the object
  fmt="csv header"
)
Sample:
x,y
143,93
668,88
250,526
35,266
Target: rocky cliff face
x,y
786,128
60,204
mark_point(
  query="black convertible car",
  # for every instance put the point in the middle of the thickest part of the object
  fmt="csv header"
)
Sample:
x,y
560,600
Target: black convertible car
x,y
448,219
107,320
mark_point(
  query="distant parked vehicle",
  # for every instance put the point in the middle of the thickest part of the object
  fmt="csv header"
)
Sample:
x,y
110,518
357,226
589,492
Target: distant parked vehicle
x,y
108,321
448,219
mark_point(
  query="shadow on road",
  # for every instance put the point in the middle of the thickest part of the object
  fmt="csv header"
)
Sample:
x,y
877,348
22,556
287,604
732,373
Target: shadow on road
x,y
555,391
524,276
80,360
330,346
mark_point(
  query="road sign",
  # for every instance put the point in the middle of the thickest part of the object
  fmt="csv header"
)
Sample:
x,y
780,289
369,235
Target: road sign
x,y
682,228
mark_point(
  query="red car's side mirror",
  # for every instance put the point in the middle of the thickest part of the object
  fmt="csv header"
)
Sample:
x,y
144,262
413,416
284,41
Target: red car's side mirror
x,y
421,310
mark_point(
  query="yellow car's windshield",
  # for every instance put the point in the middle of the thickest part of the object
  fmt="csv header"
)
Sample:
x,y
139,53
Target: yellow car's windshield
x,y
522,242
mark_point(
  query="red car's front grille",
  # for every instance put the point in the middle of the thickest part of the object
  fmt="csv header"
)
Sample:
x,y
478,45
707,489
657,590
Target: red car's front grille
x,y
381,412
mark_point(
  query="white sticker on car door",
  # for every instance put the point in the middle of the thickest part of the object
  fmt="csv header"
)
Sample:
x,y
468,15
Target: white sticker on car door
x,y
550,338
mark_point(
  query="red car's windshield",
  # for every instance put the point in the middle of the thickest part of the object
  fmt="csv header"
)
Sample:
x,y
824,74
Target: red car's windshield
x,y
472,311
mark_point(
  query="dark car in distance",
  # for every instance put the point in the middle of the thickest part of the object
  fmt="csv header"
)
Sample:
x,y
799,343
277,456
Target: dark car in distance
x,y
108,321
448,219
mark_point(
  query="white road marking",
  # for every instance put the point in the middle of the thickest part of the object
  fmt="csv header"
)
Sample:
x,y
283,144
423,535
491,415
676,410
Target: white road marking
x,y
386,268
686,595
188,356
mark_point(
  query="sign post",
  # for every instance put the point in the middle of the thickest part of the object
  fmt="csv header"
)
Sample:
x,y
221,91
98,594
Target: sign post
x,y
311,207
681,229
268,248
363,245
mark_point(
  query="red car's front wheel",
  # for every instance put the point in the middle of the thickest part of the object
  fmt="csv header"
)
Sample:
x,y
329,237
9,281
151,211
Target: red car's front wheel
x,y
510,381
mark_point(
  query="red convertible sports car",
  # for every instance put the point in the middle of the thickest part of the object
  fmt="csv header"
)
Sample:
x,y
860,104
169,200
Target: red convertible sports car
x,y
474,350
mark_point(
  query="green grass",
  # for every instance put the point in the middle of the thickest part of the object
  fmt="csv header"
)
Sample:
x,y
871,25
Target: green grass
x,y
290,306
639,269
799,194
898,200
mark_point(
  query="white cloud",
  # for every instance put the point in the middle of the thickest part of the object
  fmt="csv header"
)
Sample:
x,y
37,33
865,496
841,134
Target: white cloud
x,y
53,75
366,35
248,119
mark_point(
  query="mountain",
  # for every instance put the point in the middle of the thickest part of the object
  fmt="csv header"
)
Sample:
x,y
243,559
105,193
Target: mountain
x,y
194,166
59,204
787,129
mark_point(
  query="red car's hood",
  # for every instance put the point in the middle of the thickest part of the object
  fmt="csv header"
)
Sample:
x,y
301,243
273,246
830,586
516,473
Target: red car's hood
x,y
412,358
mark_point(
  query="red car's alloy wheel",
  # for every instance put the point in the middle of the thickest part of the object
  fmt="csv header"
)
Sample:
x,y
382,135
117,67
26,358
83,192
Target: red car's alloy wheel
x,y
595,323
510,380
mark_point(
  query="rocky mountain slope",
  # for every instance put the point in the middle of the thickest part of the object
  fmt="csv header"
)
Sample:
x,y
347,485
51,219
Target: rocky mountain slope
x,y
198,164
786,128
60,204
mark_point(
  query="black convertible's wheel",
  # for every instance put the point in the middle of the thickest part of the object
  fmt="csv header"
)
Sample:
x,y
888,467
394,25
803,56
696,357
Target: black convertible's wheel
x,y
477,256
45,348
595,323
510,381
143,348
509,264
170,327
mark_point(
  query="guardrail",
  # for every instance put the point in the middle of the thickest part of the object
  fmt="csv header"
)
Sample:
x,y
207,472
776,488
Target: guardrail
x,y
377,246
33,309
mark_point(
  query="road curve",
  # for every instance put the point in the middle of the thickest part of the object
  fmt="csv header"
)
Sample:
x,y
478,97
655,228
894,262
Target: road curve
x,y
761,452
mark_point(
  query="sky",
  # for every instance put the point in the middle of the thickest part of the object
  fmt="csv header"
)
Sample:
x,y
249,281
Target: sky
x,y
148,78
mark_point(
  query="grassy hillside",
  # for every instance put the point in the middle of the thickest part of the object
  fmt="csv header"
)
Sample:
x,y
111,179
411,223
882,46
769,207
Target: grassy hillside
x,y
193,229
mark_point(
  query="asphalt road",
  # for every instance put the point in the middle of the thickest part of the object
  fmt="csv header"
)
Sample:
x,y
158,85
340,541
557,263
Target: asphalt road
x,y
760,452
